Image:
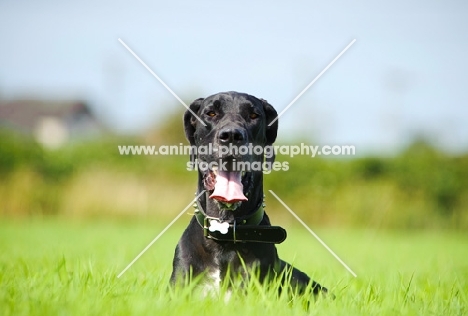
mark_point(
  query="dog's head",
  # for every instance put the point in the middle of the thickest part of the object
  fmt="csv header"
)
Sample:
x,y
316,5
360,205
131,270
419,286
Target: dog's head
x,y
231,147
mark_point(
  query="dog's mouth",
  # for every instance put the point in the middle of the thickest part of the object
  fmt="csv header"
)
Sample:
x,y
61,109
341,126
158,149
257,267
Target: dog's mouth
x,y
227,186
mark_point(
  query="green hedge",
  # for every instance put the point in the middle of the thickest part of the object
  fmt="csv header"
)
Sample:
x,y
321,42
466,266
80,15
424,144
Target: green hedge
x,y
420,179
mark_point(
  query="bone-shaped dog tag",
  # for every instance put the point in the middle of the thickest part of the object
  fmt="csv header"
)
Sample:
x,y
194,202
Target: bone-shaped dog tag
x,y
217,226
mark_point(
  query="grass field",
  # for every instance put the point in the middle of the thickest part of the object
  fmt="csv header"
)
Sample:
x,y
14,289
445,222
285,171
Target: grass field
x,y
58,267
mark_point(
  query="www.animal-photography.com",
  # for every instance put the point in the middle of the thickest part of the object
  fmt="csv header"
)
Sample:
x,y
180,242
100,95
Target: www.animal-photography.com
x,y
244,158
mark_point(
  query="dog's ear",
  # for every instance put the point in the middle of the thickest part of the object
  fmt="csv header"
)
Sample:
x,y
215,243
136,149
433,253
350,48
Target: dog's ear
x,y
190,121
271,131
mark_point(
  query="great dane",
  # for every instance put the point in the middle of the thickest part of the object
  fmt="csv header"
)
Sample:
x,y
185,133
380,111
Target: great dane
x,y
230,229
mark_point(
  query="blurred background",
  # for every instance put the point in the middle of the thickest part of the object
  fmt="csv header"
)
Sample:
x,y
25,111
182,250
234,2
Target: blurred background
x,y
70,93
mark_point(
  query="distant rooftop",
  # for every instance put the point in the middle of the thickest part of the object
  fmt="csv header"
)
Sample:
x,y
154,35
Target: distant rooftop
x,y
51,122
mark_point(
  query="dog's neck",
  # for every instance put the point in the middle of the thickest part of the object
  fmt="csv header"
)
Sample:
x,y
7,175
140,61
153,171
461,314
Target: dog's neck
x,y
213,208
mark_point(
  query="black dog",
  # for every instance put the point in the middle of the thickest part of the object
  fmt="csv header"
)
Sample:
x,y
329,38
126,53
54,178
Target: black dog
x,y
230,227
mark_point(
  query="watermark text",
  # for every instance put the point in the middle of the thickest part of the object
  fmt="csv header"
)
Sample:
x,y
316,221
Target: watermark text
x,y
250,149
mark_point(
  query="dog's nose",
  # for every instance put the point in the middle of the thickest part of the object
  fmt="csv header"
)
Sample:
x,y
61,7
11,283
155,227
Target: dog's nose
x,y
231,135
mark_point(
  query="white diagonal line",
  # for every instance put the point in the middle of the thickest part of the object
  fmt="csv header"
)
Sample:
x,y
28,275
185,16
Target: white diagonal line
x,y
160,234
162,82
314,234
313,81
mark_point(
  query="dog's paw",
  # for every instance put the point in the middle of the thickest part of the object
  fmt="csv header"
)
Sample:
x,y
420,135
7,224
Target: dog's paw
x,y
325,293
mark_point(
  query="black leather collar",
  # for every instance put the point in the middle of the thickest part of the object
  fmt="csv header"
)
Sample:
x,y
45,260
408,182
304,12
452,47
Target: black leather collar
x,y
243,229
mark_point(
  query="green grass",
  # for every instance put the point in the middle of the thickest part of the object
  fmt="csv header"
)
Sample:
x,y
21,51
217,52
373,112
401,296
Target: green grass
x,y
58,267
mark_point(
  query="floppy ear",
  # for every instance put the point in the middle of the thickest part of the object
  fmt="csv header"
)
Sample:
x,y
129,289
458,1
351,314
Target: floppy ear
x,y
271,131
190,121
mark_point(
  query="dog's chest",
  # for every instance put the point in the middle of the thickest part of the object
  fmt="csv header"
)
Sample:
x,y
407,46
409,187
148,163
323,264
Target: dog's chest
x,y
215,277
212,282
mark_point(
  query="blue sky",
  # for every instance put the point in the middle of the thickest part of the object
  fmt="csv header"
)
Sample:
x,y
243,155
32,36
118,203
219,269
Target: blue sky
x,y
405,75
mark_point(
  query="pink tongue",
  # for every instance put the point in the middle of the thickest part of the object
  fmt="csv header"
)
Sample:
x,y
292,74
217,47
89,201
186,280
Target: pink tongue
x,y
228,187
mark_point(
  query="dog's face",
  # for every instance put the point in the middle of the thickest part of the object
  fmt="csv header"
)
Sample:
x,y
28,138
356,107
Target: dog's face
x,y
229,145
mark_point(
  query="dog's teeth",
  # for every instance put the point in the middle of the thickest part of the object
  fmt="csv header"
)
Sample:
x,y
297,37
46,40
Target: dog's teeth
x,y
215,170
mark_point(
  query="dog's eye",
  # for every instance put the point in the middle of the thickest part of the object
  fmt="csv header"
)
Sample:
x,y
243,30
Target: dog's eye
x,y
211,113
253,115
